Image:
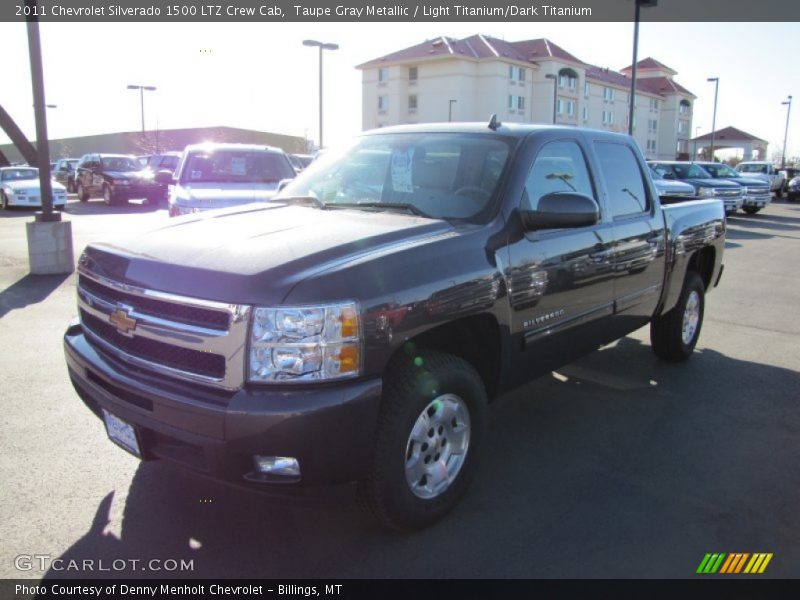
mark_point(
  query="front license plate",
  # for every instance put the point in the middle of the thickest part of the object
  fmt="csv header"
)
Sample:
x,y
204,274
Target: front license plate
x,y
122,433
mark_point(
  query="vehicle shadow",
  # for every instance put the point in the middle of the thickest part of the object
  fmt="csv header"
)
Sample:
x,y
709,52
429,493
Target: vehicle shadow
x,y
98,207
776,222
31,289
588,472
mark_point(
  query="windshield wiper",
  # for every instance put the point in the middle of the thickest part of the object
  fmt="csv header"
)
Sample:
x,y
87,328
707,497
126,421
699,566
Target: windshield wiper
x,y
301,201
389,205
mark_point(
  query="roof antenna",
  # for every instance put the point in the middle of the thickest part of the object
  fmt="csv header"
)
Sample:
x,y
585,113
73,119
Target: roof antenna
x,y
494,123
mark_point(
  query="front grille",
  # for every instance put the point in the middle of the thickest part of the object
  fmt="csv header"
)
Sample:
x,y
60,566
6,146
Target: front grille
x,y
727,193
191,315
183,359
757,191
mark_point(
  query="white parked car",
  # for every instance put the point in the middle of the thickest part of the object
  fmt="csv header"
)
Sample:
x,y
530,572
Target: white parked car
x,y
762,169
20,187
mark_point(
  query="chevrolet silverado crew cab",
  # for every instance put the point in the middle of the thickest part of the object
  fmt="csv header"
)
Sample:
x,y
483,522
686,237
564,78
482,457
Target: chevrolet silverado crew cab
x,y
756,191
352,331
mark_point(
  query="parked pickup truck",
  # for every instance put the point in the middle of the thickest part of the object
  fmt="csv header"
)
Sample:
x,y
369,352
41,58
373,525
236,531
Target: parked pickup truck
x,y
352,331
756,191
706,186
766,171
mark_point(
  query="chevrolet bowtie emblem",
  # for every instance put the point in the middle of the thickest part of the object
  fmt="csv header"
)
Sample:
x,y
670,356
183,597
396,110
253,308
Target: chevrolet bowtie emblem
x,y
120,319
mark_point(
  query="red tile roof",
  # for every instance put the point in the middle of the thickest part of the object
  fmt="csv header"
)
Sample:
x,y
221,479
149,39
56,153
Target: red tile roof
x,y
662,86
650,63
729,133
478,47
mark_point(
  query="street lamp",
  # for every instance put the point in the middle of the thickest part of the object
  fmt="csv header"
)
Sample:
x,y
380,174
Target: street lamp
x,y
142,89
788,104
632,100
555,92
696,132
322,46
714,118
450,110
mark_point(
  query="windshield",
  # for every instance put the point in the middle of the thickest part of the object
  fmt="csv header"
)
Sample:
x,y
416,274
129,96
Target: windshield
x,y
754,168
121,163
721,171
443,175
690,172
16,174
235,166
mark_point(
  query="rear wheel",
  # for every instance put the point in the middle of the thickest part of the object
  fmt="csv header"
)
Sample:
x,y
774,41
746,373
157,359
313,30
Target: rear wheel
x,y
108,196
429,434
674,335
83,196
751,210
70,186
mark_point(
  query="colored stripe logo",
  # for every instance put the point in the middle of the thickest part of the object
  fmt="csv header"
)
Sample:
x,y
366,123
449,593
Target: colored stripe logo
x,y
734,563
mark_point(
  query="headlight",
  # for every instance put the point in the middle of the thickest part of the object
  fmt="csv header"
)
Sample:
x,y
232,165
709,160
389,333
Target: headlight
x,y
308,343
705,191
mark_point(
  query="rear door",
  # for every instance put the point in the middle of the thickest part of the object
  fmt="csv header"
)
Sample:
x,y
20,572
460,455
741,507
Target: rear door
x,y
638,256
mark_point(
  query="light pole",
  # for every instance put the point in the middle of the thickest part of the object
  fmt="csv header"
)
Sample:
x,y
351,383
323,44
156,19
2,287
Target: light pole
x,y
714,117
696,131
450,110
631,105
788,104
322,46
555,93
142,89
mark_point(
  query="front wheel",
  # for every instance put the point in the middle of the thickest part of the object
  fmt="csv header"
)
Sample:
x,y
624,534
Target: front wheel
x,y
751,210
108,196
429,434
674,335
4,201
779,192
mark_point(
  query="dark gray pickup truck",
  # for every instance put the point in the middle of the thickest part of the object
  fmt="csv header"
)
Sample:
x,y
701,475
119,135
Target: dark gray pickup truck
x,y
351,332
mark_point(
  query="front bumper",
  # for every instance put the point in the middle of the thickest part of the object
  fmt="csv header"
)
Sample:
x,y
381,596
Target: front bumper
x,y
758,201
328,428
731,204
136,191
34,201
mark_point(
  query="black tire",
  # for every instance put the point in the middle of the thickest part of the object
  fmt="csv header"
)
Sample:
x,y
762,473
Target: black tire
x,y
751,210
70,186
667,330
4,201
411,384
108,196
83,196
779,192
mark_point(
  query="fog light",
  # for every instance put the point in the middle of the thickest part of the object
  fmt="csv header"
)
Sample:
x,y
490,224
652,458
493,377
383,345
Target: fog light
x,y
277,465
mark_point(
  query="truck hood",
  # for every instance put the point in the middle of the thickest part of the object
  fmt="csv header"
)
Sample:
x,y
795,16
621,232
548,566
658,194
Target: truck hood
x,y
32,184
717,183
214,195
254,254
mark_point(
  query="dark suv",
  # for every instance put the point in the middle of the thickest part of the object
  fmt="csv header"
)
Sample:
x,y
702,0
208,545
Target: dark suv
x,y
166,161
116,178
64,173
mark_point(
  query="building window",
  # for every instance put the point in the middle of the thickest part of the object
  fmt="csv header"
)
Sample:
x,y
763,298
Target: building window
x,y
651,146
511,102
654,104
383,75
511,72
684,107
567,80
608,117
571,108
413,74
560,106
522,74
520,103
383,103
516,74
585,114
682,126
608,94
585,89
412,103
652,125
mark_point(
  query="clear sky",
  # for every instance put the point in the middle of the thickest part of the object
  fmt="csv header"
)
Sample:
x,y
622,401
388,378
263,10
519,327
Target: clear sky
x,y
260,76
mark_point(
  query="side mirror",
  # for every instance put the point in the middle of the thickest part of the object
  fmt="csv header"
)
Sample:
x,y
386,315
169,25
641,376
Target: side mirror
x,y
669,175
561,210
283,183
164,177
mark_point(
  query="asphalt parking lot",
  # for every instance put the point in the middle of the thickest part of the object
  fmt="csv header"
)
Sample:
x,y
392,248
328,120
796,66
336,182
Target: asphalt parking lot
x,y
616,466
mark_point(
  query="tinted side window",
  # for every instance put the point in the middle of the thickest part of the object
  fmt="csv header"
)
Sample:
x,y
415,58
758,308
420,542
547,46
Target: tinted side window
x,y
559,167
626,189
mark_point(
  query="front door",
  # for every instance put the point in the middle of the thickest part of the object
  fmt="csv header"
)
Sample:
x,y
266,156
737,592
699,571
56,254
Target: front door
x,y
560,282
